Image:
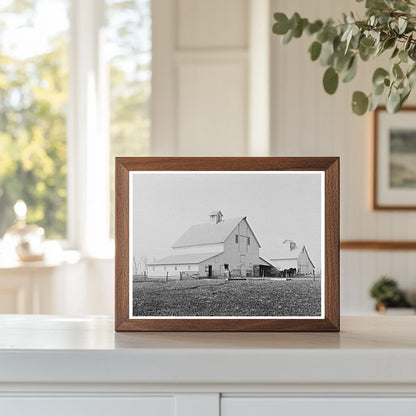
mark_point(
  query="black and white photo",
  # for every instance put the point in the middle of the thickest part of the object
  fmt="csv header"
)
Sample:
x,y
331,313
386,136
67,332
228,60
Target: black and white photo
x,y
227,244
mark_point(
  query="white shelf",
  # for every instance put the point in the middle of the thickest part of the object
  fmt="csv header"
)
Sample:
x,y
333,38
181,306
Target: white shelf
x,y
52,349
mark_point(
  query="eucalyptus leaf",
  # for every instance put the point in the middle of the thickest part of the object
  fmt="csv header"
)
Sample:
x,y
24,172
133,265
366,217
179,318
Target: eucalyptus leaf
x,y
403,56
350,73
402,22
395,52
315,50
378,89
376,4
408,42
330,80
379,75
327,53
359,103
281,26
314,27
374,101
397,71
288,37
393,101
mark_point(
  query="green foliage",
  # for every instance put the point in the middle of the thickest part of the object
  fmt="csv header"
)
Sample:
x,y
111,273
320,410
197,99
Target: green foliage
x,y
33,97
386,291
389,26
34,103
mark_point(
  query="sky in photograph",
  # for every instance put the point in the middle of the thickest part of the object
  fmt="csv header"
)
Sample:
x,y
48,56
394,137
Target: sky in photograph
x,y
278,206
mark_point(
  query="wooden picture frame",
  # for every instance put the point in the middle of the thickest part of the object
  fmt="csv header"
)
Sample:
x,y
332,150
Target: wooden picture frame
x,y
134,191
394,184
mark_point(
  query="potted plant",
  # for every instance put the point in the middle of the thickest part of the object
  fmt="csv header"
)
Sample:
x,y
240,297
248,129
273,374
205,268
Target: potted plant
x,y
387,294
389,27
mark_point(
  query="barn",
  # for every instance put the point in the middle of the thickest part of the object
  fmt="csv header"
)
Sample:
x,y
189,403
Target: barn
x,y
290,256
218,248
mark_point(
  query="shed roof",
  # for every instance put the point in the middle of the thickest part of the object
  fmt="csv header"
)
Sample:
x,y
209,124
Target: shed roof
x,y
284,253
193,258
207,233
263,262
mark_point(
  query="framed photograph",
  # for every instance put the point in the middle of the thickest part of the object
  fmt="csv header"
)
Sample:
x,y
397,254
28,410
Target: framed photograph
x,y
227,244
395,159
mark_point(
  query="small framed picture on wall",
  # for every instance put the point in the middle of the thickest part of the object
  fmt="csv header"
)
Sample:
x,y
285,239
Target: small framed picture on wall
x,y
394,179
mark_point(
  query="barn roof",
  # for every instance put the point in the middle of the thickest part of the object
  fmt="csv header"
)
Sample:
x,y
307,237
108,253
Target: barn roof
x,y
208,233
193,258
284,253
263,262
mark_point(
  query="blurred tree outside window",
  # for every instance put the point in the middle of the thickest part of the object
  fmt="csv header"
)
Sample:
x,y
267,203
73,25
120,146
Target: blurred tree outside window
x,y
33,102
34,93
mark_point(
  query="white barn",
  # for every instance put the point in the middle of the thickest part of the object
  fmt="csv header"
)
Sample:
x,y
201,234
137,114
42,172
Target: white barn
x,y
291,256
216,248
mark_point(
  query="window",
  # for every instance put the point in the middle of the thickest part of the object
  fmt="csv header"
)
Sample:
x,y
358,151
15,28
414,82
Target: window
x,y
226,266
242,259
248,240
189,267
176,268
34,88
129,46
59,134
236,239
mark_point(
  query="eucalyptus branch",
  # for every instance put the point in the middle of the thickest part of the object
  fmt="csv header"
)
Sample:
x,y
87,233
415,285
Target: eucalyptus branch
x,y
388,25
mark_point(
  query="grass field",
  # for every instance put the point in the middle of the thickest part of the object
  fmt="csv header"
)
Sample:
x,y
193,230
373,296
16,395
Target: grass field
x,y
227,298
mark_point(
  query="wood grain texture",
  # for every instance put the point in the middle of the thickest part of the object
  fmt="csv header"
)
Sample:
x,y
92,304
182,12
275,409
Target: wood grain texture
x,y
330,165
378,245
376,204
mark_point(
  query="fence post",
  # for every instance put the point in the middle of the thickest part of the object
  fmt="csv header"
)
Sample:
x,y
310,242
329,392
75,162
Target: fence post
x,y
167,276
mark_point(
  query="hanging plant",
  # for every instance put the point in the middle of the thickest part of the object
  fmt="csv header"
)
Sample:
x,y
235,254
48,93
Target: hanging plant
x,y
389,27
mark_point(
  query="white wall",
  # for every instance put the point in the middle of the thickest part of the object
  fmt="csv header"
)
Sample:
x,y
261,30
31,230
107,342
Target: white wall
x,y
308,122
202,86
211,92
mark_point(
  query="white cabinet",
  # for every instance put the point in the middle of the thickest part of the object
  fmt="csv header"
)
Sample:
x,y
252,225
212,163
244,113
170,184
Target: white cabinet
x,y
52,365
270,406
88,406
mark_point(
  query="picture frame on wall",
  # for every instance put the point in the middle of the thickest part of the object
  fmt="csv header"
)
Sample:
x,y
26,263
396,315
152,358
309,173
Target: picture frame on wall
x,y
394,151
227,244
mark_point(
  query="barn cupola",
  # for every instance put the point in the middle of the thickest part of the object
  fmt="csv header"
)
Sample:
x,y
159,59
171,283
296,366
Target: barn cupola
x,y
215,217
292,244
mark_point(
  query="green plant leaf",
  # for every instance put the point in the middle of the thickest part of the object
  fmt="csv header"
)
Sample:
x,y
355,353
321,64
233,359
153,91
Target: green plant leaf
x,y
378,89
403,56
315,50
376,4
281,27
359,103
408,42
379,75
397,71
393,101
327,53
374,102
351,71
330,80
395,52
288,37
389,43
314,27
